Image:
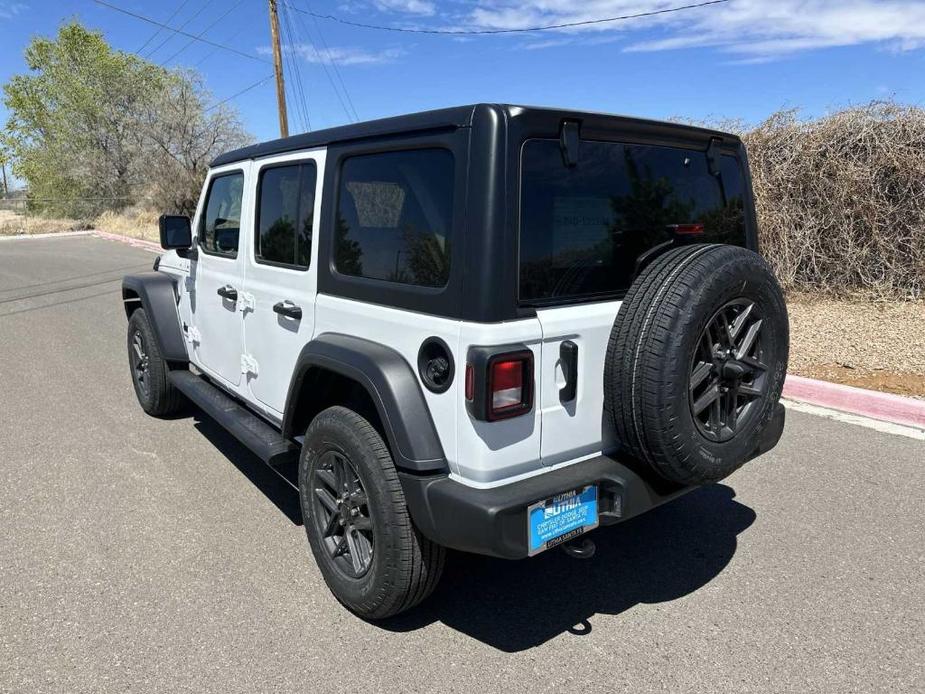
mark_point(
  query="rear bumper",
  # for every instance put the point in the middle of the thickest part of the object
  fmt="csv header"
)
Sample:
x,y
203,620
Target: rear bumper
x,y
494,521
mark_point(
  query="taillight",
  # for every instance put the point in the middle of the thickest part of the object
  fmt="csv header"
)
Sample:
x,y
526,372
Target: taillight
x,y
499,381
510,385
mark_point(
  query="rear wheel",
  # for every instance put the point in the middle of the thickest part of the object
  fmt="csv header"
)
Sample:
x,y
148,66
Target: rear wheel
x,y
149,369
370,554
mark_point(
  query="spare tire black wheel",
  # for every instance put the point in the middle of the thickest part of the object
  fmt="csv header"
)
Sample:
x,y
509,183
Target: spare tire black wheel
x,y
696,361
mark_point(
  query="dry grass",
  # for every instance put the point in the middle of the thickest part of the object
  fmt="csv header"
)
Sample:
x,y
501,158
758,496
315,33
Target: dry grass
x,y
138,224
135,223
13,224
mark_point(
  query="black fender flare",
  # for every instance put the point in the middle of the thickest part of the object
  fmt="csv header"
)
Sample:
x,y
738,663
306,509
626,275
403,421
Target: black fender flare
x,y
391,384
158,296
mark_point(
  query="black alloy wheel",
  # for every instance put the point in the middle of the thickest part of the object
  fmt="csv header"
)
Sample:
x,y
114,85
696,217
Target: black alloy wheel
x,y
341,512
141,363
728,374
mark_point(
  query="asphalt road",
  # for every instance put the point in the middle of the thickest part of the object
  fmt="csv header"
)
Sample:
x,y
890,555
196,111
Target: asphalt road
x,y
145,555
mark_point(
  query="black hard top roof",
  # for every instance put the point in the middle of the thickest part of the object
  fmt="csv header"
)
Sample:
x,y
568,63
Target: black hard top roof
x,y
444,118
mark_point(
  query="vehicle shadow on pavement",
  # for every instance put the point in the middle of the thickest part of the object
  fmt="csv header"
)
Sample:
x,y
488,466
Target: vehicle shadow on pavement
x,y
274,486
515,605
658,557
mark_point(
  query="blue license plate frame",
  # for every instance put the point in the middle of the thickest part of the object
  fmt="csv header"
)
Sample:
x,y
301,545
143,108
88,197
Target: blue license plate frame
x,y
562,517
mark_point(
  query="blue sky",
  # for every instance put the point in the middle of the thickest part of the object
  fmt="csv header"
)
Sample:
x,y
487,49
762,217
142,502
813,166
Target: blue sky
x,y
740,59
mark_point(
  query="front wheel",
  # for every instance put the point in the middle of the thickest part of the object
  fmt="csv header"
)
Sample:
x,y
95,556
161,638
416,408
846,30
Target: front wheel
x,y
370,554
149,369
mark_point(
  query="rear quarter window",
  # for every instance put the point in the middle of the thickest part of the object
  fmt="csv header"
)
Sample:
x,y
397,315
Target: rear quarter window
x,y
583,228
394,216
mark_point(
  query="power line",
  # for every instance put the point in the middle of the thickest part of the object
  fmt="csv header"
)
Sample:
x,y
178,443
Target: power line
x,y
215,50
203,32
182,33
327,74
158,30
471,32
296,71
237,94
182,26
328,52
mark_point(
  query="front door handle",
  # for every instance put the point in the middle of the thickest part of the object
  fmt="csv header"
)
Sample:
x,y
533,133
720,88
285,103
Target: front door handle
x,y
568,357
228,292
288,309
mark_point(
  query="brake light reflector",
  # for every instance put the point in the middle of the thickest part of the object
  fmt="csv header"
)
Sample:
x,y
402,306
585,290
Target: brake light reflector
x,y
470,382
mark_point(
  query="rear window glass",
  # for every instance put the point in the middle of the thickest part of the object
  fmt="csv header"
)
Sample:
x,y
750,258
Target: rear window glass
x,y
394,215
583,228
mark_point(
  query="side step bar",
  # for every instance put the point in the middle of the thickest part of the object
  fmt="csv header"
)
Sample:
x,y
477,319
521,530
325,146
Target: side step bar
x,y
261,438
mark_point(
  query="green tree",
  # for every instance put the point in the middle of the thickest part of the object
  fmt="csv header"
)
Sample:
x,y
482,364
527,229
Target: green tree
x,y
92,128
71,120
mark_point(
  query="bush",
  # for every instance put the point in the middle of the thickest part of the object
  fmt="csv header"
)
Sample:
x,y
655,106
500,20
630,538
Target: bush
x,y
841,199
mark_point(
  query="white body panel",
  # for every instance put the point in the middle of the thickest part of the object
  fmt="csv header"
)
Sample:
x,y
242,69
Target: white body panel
x,y
573,429
272,340
218,330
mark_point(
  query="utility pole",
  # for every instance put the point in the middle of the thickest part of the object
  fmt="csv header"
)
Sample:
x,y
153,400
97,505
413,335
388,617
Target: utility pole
x,y
5,187
278,68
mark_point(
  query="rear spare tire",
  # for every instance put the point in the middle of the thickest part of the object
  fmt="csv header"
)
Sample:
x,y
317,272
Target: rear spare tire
x,y
696,361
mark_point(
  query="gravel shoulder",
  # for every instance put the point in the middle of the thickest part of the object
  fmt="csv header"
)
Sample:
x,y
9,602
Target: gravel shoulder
x,y
870,344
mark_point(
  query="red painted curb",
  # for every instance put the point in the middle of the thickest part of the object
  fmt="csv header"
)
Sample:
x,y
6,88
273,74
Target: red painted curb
x,y
137,243
868,403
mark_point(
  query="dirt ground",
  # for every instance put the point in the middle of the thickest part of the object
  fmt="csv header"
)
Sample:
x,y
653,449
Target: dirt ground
x,y
869,344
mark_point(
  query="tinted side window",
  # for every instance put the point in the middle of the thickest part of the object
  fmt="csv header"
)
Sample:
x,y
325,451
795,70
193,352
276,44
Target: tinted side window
x,y
285,214
582,229
394,215
221,219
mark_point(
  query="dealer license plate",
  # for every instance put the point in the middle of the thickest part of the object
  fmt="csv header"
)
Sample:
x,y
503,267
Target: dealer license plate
x,y
558,519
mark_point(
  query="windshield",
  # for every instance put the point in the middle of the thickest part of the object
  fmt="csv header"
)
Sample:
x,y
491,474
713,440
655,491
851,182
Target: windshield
x,y
582,228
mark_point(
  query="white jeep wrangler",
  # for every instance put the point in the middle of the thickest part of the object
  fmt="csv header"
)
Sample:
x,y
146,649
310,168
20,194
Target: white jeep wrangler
x,y
488,328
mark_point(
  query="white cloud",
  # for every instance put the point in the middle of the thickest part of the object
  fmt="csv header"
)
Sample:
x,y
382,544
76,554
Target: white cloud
x,y
8,10
752,28
421,7
343,55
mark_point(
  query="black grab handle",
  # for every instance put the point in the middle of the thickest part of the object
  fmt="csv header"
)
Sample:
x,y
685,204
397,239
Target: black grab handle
x,y
568,356
228,292
287,309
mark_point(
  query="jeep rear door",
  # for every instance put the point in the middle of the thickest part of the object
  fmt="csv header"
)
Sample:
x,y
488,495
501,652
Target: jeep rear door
x,y
280,272
585,227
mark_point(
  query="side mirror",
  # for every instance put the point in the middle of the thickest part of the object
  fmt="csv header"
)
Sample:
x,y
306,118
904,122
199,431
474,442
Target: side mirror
x,y
176,231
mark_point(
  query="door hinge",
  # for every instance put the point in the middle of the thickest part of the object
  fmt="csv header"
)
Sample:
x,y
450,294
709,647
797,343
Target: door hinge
x,y
193,334
246,301
248,364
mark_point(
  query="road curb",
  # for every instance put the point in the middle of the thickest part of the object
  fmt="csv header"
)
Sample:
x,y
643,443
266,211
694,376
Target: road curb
x,y
867,403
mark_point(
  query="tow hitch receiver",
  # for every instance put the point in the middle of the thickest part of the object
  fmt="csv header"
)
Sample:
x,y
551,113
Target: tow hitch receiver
x,y
583,550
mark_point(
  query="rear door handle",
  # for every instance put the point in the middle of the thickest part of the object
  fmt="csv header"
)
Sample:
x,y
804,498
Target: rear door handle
x,y
228,292
288,309
568,357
